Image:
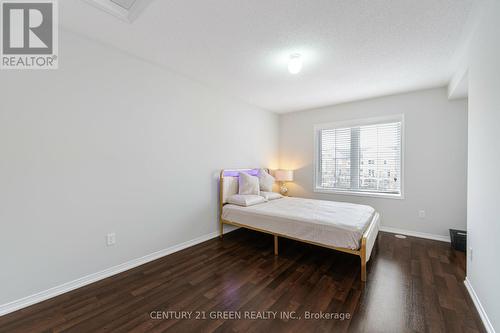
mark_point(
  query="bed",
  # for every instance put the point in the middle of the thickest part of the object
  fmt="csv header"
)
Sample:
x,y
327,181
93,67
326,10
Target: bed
x,y
340,226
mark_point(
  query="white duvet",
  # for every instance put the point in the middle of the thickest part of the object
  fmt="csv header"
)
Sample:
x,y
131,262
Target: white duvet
x,y
331,223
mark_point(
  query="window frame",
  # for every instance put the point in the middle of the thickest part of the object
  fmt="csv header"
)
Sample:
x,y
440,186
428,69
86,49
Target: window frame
x,y
354,123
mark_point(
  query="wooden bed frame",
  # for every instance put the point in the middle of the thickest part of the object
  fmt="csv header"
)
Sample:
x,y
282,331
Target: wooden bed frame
x,y
364,252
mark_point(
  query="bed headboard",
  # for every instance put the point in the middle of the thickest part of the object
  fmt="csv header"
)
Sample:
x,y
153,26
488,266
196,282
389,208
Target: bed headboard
x,y
229,182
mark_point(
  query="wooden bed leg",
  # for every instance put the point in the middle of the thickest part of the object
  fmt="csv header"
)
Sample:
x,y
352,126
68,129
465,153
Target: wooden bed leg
x,y
275,245
221,230
363,271
363,259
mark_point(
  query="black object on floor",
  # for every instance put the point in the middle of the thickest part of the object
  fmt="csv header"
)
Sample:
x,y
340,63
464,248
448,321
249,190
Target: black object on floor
x,y
458,239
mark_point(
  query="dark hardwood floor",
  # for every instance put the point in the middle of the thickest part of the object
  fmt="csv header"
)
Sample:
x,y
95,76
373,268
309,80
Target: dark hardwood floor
x,y
414,285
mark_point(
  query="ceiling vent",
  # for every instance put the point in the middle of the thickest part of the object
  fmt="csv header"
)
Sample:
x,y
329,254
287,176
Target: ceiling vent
x,y
127,10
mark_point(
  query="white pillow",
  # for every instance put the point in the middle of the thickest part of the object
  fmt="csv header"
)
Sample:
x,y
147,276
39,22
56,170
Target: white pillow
x,y
248,184
270,195
266,181
245,199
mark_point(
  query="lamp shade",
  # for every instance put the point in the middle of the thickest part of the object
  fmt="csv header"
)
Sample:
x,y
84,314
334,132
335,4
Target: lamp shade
x,y
283,175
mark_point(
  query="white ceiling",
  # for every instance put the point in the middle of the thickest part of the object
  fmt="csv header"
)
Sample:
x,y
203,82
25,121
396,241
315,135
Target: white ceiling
x,y
352,49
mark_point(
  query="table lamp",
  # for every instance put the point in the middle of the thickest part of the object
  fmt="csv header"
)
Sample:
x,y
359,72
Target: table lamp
x,y
283,176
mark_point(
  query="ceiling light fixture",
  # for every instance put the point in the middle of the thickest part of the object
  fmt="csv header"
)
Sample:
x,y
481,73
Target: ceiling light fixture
x,y
295,63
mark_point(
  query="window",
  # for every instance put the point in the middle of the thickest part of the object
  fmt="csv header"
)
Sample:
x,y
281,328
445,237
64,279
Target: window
x,y
361,157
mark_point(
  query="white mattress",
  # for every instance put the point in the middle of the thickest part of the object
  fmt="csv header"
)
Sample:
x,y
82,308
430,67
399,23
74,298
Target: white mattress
x,y
331,223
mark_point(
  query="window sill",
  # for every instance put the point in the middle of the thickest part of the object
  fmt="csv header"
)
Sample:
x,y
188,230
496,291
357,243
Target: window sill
x,y
361,194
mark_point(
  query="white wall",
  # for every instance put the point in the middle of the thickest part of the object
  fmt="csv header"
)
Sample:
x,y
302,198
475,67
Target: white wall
x,y
483,220
109,143
435,157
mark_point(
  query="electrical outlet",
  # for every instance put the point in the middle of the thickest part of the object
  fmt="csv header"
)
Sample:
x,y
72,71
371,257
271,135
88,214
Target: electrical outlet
x,y
110,239
421,214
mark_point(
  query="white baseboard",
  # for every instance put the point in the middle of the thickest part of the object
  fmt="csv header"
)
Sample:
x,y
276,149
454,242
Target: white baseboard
x,y
479,307
94,277
415,234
